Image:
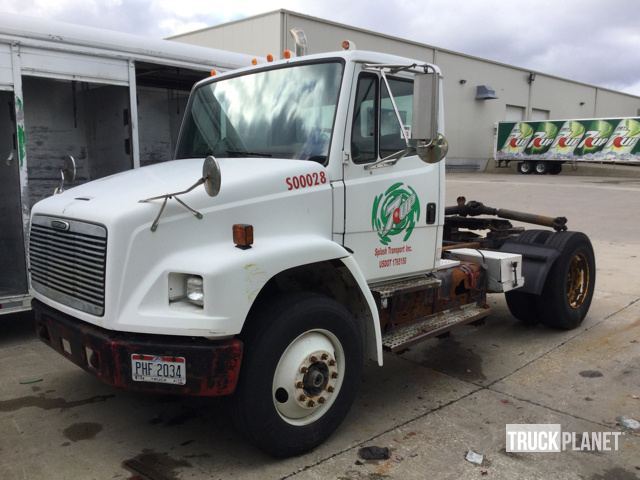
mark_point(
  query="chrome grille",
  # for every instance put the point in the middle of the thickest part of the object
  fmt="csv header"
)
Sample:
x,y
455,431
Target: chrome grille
x,y
67,260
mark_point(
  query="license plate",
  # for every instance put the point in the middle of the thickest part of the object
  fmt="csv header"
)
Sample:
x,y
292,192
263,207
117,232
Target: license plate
x,y
158,369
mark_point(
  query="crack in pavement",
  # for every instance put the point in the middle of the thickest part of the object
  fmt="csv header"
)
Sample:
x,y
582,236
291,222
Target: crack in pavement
x,y
476,390
377,435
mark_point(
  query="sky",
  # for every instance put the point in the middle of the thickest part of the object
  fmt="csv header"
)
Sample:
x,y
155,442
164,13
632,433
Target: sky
x,y
593,41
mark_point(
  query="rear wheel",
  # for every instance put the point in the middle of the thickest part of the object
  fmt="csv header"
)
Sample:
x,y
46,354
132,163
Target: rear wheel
x,y
569,286
541,168
525,167
301,371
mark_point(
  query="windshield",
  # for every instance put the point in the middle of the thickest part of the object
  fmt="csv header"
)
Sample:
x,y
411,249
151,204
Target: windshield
x,y
285,113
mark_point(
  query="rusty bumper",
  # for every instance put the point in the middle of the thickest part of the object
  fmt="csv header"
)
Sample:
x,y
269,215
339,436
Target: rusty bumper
x,y
212,366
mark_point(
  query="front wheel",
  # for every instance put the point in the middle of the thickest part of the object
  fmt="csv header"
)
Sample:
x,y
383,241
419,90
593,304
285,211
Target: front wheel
x,y
300,375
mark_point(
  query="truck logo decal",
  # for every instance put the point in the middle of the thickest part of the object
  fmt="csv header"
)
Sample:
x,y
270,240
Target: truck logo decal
x,y
394,212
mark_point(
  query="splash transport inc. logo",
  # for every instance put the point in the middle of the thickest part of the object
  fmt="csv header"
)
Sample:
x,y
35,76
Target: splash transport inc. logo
x,y
395,212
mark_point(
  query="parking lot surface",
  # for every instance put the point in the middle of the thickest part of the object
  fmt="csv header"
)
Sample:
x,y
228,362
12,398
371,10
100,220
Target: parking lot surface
x,y
429,405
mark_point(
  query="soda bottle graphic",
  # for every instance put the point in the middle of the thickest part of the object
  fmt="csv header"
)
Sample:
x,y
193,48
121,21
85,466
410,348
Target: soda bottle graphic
x,y
518,139
595,138
624,138
567,139
542,138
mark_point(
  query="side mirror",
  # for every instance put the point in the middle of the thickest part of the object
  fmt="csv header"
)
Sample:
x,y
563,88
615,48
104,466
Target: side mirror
x,y
211,176
430,145
67,174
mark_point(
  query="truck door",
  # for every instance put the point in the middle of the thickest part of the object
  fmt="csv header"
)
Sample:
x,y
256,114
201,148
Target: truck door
x,y
13,276
389,211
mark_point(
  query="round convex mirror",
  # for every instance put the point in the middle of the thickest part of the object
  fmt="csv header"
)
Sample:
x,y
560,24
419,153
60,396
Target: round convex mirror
x,y
69,169
211,175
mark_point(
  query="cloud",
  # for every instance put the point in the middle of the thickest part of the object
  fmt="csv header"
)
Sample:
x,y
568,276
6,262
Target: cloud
x,y
592,41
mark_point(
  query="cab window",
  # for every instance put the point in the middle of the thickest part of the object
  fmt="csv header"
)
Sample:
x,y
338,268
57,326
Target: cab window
x,y
391,139
375,132
364,139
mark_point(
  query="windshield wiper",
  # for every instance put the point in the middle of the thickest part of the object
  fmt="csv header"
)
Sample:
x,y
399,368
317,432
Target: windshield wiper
x,y
245,153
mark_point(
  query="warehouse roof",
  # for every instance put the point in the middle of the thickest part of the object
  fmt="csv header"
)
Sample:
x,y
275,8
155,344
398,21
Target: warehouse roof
x,y
412,42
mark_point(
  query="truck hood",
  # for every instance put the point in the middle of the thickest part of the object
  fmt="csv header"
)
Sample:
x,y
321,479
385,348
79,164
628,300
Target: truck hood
x,y
109,198
288,203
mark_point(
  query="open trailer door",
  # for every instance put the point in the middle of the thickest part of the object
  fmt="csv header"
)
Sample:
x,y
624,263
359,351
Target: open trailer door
x,y
13,275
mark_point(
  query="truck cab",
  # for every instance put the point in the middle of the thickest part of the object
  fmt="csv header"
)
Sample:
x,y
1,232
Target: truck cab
x,y
300,230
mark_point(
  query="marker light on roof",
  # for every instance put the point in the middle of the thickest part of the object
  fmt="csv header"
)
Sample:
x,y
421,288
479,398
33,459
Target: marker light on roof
x,y
348,45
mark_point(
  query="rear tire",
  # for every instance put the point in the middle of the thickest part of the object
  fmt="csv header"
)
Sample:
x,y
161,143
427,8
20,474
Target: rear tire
x,y
300,375
541,168
525,168
568,290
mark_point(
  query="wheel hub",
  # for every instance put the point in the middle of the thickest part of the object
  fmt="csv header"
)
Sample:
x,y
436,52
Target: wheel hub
x,y
577,280
315,382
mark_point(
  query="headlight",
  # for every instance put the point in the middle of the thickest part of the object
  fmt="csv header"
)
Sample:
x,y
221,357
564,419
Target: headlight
x,y
186,290
195,293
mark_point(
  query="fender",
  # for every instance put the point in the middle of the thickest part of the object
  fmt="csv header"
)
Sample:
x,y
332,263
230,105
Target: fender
x,y
233,278
537,260
373,332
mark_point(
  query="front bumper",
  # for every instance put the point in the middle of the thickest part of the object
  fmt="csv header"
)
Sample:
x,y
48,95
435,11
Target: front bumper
x,y
212,366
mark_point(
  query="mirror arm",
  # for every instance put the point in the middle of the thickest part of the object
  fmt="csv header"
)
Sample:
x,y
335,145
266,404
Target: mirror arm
x,y
395,109
389,160
165,198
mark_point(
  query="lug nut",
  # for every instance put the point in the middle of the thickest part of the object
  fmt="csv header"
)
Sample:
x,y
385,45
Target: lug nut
x,y
324,356
304,370
313,359
321,400
302,398
334,375
310,403
299,385
330,389
332,363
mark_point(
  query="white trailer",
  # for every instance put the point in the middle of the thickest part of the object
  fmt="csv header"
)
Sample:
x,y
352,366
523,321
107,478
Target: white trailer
x,y
112,101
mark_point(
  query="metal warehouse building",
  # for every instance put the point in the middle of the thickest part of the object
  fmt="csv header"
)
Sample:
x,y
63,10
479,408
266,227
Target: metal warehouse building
x,y
470,113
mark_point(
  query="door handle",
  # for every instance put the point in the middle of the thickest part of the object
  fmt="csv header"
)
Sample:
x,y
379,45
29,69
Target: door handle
x,y
10,158
431,213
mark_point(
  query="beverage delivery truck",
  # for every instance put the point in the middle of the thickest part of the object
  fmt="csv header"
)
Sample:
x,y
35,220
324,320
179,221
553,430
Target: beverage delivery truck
x,y
300,231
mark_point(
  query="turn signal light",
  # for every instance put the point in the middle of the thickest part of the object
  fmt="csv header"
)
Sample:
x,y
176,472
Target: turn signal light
x,y
254,61
269,57
213,72
243,235
287,54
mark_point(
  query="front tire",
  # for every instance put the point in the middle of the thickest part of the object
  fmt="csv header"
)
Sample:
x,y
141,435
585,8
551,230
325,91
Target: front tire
x,y
569,286
300,375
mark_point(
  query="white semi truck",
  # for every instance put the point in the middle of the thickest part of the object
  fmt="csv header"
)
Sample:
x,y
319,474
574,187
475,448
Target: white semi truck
x,y
300,231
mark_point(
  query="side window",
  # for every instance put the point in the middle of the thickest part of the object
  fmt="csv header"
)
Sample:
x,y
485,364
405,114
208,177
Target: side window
x,y
391,139
365,119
